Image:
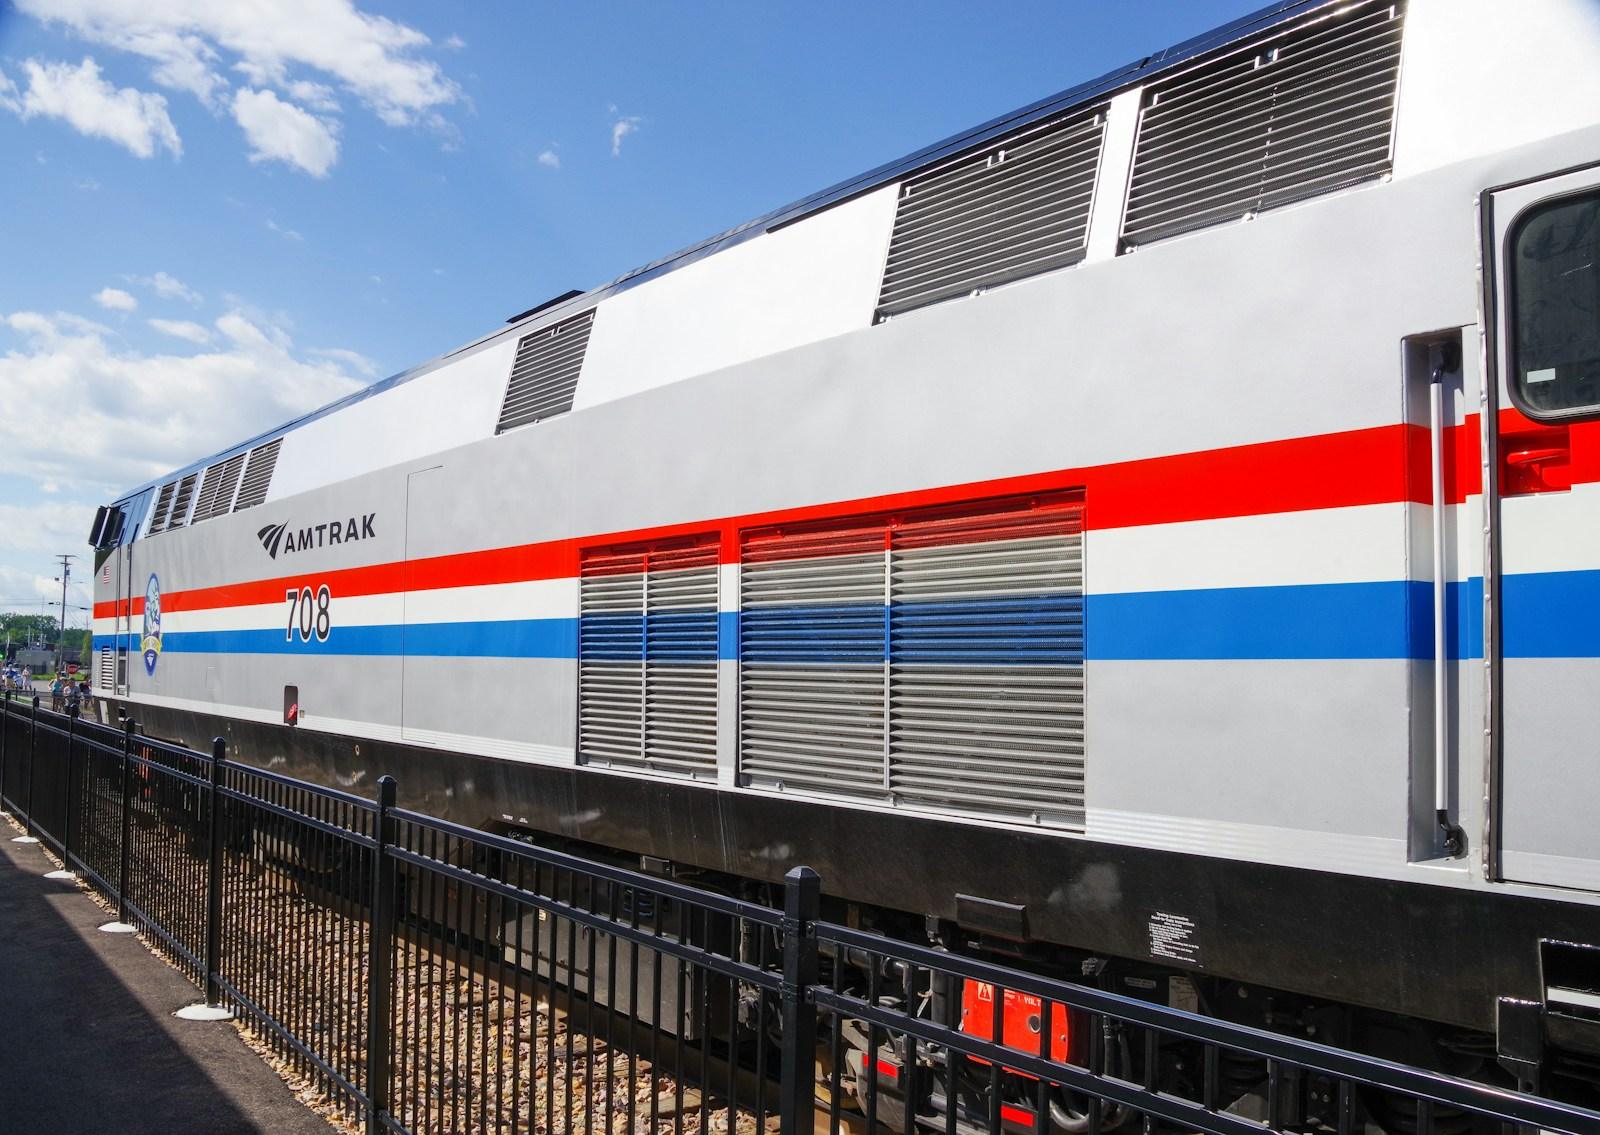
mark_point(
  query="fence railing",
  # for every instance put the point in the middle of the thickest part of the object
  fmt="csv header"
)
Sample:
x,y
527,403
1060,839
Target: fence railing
x,y
433,978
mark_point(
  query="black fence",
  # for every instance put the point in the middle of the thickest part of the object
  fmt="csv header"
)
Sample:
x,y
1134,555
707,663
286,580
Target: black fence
x,y
434,978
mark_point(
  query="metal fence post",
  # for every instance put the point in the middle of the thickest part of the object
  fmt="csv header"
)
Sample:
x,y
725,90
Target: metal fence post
x,y
68,826
66,872
380,960
5,731
129,726
802,889
33,734
219,750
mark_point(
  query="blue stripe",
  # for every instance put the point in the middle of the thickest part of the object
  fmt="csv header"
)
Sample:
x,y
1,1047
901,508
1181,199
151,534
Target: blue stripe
x,y
1336,620
1546,615
1551,614
513,638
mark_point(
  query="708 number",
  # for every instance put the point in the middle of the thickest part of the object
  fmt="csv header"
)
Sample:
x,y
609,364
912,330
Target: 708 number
x,y
308,614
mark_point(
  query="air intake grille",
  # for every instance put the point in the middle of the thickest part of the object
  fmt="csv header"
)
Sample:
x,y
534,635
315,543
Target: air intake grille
x,y
216,493
933,659
811,658
107,676
986,686
647,657
163,509
1306,111
1018,208
258,474
544,374
180,502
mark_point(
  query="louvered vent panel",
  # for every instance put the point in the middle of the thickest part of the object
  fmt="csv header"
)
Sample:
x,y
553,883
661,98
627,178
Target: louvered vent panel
x,y
1303,112
680,727
986,651
1016,209
216,494
163,509
611,656
181,501
647,657
107,675
206,497
811,695
544,374
258,475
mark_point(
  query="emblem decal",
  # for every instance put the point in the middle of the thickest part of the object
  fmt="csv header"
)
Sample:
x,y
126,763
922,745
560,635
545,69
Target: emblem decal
x,y
151,640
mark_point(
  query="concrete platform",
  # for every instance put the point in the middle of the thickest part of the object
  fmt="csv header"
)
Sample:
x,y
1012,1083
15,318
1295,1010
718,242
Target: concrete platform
x,y
87,1037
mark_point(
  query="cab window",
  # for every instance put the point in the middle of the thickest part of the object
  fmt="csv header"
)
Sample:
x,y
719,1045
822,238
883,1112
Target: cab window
x,y
1555,300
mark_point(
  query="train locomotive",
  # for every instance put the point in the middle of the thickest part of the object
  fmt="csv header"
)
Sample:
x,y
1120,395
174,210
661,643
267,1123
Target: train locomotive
x,y
1150,536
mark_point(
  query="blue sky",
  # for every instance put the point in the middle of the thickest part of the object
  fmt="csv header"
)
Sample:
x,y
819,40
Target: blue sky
x,y
218,215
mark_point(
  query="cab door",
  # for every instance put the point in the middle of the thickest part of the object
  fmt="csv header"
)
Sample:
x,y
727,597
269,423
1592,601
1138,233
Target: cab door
x,y
1543,263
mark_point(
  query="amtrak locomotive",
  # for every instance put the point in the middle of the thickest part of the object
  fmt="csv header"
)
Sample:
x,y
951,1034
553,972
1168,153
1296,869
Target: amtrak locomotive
x,y
1154,534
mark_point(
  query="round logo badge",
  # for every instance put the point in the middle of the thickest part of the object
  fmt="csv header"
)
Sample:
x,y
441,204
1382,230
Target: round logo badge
x,y
151,640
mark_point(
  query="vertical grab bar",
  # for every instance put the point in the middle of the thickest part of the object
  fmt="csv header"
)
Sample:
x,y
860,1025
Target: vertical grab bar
x,y
1451,836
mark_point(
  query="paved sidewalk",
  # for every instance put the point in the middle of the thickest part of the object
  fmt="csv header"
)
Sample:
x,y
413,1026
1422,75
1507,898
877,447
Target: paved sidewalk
x,y
87,1038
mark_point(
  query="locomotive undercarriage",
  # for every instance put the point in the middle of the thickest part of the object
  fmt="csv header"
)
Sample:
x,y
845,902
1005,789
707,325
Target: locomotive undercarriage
x,y
879,1084
873,1074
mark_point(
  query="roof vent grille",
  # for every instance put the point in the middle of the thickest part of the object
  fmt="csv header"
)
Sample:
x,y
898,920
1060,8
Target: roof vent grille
x,y
216,494
1014,209
258,475
1308,111
158,519
180,503
544,375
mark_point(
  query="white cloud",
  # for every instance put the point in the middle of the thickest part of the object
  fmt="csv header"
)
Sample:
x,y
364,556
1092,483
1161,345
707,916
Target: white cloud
x,y
285,233
115,299
453,42
355,360
182,329
169,287
133,416
80,97
620,129
374,58
318,96
550,159
87,184
280,131
49,527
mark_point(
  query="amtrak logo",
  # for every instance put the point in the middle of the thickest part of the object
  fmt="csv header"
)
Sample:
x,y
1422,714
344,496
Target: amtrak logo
x,y
281,537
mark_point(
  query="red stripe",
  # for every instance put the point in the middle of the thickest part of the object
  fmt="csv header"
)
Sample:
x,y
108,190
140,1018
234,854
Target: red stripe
x,y
1381,465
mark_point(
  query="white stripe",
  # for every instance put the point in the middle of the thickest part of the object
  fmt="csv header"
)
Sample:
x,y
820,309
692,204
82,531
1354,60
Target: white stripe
x,y
532,599
1551,531
1359,544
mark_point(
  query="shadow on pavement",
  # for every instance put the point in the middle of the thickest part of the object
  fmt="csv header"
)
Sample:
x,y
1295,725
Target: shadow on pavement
x,y
85,1047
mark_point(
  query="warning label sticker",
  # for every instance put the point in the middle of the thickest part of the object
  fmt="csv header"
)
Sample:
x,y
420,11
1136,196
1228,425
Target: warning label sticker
x,y
1172,937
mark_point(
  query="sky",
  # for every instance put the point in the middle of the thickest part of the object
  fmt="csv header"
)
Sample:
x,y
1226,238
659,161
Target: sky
x,y
216,215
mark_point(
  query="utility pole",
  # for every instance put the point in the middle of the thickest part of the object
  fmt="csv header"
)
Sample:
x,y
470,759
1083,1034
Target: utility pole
x,y
61,627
